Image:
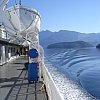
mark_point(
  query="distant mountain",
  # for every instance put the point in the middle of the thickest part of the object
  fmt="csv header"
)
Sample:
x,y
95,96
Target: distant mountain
x,y
90,37
76,44
47,37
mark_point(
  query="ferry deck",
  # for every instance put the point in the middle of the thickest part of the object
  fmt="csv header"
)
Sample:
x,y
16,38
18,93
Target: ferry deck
x,y
14,84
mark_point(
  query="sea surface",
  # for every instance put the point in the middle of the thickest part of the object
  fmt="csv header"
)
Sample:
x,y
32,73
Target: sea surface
x,y
82,65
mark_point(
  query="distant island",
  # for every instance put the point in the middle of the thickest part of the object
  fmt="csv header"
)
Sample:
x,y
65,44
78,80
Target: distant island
x,y
76,44
98,46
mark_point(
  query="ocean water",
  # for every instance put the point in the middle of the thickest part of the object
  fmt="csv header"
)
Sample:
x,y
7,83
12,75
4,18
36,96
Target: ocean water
x,y
82,65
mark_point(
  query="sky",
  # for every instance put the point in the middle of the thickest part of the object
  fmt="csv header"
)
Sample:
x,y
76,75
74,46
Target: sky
x,y
74,15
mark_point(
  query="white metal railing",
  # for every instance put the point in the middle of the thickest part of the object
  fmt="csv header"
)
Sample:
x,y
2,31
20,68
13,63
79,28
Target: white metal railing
x,y
52,90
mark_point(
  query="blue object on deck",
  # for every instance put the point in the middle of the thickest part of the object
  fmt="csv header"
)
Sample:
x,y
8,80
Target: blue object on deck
x,y
33,53
32,72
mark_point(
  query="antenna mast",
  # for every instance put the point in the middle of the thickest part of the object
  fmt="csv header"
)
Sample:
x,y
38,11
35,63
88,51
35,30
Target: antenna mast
x,y
20,2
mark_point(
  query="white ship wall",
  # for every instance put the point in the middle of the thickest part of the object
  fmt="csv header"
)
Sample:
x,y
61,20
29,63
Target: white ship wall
x,y
6,54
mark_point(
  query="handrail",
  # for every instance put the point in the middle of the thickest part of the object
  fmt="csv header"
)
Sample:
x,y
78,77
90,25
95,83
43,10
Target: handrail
x,y
3,3
51,88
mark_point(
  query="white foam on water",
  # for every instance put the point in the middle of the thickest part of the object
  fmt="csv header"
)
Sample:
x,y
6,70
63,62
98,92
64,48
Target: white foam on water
x,y
70,89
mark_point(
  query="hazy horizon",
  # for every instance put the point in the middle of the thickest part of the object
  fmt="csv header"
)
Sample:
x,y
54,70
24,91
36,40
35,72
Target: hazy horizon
x,y
71,31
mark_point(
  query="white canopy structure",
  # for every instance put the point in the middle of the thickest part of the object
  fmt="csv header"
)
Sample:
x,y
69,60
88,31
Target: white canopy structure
x,y
21,23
